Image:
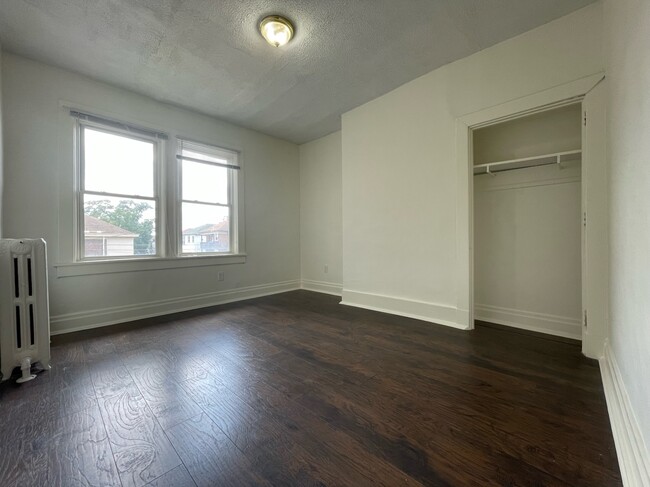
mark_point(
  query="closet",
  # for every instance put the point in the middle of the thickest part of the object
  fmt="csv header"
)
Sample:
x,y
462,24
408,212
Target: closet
x,y
528,222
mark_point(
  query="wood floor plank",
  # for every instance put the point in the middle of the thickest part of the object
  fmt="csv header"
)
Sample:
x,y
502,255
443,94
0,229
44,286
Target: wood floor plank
x,y
80,453
209,455
320,444
68,353
18,472
282,461
430,455
227,410
110,378
294,389
24,447
169,402
179,477
141,449
50,384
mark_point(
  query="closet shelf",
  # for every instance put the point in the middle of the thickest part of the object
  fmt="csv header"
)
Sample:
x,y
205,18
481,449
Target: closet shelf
x,y
501,166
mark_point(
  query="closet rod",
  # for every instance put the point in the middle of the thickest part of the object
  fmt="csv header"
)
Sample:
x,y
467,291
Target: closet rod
x,y
558,158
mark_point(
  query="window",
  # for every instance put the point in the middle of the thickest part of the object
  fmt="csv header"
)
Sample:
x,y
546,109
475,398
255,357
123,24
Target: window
x,y
208,206
135,200
118,196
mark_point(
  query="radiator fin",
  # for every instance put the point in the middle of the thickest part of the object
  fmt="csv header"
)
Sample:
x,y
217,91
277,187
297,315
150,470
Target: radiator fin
x,y
29,277
19,341
16,283
32,338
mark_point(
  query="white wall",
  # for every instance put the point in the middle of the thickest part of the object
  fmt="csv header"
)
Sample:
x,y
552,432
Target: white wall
x,y
627,25
551,131
527,226
320,214
1,145
527,249
399,170
38,197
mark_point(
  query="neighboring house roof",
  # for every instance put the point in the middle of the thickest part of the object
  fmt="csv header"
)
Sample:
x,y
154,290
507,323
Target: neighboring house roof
x,y
94,227
223,226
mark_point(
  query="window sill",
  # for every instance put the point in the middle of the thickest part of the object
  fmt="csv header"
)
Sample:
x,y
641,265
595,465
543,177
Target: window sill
x,y
148,264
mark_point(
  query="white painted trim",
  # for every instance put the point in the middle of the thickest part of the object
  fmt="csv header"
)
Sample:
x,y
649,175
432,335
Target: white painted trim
x,y
633,454
410,308
118,265
169,193
554,97
322,287
85,320
562,326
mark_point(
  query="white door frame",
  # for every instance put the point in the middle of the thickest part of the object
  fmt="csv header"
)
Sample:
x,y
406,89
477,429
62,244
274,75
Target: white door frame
x,y
560,95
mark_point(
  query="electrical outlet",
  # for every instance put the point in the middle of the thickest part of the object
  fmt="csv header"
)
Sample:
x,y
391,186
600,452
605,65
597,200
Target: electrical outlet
x,y
326,269
221,276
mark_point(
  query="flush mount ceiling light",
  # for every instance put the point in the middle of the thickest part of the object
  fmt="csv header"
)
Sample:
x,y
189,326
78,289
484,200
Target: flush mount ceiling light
x,y
276,30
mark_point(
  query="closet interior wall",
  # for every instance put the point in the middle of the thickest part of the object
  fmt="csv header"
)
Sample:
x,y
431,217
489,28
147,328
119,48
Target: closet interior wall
x,y
527,224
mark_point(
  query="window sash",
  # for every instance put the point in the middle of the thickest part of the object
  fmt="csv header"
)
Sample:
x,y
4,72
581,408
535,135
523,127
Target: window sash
x,y
230,156
128,128
81,125
209,163
232,165
167,193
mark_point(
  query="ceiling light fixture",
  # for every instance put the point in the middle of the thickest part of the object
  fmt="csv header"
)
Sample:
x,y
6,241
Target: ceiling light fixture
x,y
276,30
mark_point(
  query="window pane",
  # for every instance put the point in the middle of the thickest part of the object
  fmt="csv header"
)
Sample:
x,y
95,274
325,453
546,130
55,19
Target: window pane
x,y
117,164
118,226
206,228
202,182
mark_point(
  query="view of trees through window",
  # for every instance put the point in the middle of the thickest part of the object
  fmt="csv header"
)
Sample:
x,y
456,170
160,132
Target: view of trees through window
x,y
119,200
133,235
120,192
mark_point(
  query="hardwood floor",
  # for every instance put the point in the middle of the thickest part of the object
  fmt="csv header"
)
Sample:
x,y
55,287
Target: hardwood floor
x,y
294,389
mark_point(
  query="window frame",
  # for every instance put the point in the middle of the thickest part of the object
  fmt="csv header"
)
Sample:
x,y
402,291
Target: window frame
x,y
233,157
158,197
71,262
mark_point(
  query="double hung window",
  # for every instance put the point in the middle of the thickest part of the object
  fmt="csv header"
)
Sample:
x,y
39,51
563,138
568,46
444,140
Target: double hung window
x,y
119,197
126,209
207,203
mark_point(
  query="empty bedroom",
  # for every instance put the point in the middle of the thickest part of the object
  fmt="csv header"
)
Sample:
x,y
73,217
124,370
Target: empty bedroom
x,y
324,243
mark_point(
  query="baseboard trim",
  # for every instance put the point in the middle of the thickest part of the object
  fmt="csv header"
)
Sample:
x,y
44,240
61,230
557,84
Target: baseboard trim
x,y
409,308
85,320
540,322
321,287
633,455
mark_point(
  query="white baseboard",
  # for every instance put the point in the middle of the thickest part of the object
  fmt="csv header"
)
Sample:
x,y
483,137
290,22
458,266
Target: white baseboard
x,y
321,287
410,308
85,320
633,455
526,320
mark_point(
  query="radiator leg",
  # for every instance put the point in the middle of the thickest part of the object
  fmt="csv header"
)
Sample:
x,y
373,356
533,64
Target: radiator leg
x,y
26,368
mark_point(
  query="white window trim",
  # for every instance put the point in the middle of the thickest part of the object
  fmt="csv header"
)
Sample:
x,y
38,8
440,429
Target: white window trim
x,y
80,191
234,189
167,206
115,266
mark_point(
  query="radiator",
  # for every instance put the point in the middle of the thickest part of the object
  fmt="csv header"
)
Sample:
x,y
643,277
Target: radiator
x,y
24,307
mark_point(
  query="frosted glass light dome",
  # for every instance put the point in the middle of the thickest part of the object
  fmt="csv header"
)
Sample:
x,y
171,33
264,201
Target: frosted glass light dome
x,y
276,30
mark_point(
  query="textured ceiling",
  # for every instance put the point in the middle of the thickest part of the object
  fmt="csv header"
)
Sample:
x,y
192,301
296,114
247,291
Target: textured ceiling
x,y
207,55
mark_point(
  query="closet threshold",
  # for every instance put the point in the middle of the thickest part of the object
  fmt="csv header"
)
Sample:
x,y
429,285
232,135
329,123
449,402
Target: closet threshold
x,y
544,160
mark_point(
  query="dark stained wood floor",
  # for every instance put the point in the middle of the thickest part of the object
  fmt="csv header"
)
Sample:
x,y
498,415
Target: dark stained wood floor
x,y
295,389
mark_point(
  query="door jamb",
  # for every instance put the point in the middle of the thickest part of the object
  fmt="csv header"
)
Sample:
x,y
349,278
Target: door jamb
x,y
561,95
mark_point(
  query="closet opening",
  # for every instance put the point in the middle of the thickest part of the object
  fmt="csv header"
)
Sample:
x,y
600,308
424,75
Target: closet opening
x,y
527,222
